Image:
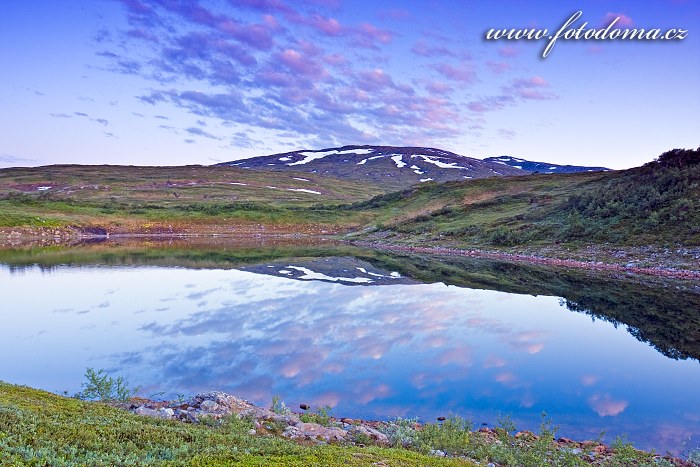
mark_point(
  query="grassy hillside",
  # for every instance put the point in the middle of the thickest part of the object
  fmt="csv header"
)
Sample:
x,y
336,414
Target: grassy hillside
x,y
658,203
170,199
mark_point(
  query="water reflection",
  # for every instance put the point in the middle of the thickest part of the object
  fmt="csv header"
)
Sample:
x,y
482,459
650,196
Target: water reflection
x,y
401,349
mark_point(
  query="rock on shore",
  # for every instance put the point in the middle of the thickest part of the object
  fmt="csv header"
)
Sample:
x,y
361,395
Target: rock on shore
x,y
216,405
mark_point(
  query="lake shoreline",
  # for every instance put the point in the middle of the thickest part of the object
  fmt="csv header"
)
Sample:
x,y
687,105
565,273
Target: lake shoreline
x,y
536,259
215,428
671,266
316,426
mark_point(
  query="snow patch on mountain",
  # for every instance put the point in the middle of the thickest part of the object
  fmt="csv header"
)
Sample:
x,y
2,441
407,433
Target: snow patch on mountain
x,y
398,160
313,155
304,190
442,165
364,161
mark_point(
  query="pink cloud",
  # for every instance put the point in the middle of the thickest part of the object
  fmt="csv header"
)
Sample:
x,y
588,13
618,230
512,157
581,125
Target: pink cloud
x,y
378,392
526,341
624,21
459,355
606,406
508,51
352,94
366,35
420,380
328,398
435,341
494,362
534,82
374,80
271,22
589,380
498,67
257,36
479,107
438,87
535,87
327,26
424,49
507,379
437,117
275,78
534,348
298,63
335,59
527,401
464,74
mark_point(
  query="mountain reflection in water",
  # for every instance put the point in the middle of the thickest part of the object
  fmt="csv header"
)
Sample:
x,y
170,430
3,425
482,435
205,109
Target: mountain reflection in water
x,y
379,336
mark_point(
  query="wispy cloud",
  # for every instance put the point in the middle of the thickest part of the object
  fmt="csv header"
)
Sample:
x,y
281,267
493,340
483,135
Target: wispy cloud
x,y
12,160
302,72
519,90
606,406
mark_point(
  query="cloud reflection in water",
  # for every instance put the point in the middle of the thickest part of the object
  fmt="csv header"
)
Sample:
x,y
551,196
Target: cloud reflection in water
x,y
370,351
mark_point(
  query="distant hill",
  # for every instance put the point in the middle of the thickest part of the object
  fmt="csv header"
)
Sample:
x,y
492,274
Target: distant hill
x,y
387,166
542,167
656,204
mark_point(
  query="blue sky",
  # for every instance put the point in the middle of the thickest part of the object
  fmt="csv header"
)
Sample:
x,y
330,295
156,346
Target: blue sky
x,y
170,82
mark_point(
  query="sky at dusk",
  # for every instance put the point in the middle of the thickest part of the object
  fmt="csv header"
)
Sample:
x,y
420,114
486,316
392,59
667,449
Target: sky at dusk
x,y
174,82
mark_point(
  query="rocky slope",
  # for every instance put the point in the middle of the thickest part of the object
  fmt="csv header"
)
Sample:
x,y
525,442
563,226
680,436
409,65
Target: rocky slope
x,y
388,166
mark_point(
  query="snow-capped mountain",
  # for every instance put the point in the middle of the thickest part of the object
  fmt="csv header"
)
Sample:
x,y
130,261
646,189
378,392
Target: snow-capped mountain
x,y
387,165
542,167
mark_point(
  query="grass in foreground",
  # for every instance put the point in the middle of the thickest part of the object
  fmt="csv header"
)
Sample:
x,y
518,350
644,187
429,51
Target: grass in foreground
x,y
40,428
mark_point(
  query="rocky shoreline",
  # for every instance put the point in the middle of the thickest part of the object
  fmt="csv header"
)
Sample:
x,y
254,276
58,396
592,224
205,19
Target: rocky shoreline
x,y
630,260
632,268
212,407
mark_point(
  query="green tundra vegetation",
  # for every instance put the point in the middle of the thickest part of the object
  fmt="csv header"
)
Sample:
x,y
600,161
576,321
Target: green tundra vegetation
x,y
656,204
40,428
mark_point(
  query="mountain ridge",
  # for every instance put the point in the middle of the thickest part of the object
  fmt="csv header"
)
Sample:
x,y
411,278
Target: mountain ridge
x,y
543,167
390,166
398,167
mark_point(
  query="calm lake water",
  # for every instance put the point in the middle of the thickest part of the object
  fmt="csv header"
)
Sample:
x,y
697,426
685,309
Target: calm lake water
x,y
372,334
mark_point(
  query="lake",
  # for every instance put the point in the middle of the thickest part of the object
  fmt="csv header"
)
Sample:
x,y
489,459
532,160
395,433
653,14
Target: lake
x,y
374,334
